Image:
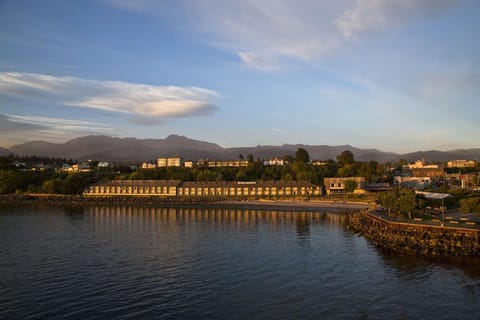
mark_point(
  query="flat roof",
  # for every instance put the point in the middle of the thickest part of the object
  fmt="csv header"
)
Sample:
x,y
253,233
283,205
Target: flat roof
x,y
434,195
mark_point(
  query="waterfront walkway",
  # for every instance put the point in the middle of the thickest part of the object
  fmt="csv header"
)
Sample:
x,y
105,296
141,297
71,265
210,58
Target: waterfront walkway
x,y
457,220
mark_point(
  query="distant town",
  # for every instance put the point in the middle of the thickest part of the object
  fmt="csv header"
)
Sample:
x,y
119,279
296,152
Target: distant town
x,y
418,175
294,175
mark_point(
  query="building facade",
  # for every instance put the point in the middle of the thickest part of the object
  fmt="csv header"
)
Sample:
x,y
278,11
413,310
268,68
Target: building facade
x,y
148,165
461,164
417,183
275,162
337,185
223,164
170,162
179,188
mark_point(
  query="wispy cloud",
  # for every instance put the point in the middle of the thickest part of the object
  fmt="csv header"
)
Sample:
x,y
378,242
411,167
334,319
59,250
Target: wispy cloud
x,y
132,99
268,34
16,129
374,15
59,123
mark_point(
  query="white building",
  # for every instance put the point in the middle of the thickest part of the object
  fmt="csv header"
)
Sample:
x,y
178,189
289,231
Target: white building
x,y
417,183
275,162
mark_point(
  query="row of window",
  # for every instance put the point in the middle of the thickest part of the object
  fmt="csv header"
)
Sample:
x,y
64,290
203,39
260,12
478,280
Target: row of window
x,y
203,191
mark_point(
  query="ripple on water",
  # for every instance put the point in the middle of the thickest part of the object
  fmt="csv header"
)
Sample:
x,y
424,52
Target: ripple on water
x,y
129,263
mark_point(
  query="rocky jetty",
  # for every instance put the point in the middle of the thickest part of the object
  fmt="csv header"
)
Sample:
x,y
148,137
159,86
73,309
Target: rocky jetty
x,y
415,238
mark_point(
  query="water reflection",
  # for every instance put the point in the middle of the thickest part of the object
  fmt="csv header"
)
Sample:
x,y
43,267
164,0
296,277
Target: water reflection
x,y
302,224
244,217
215,263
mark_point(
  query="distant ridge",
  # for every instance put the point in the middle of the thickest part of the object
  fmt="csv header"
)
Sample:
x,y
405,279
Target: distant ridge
x,y
101,147
4,152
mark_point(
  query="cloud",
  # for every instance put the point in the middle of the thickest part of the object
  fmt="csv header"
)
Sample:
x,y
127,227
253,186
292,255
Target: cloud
x,y
270,34
265,34
16,129
374,15
132,99
58,123
7,126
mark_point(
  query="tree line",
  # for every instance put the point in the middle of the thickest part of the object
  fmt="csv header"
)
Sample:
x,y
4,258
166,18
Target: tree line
x,y
297,167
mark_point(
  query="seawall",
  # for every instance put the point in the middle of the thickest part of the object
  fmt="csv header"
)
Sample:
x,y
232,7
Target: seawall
x,y
426,240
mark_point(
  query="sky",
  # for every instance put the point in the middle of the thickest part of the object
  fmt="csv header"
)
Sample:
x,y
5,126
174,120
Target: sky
x,y
396,75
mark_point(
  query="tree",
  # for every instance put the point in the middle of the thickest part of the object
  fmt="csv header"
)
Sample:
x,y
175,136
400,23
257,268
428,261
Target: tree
x,y
350,185
302,155
289,159
387,200
402,202
10,181
470,205
406,202
250,157
346,157
52,186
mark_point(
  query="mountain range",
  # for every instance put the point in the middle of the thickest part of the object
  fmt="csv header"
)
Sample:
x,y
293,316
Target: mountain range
x,y
99,147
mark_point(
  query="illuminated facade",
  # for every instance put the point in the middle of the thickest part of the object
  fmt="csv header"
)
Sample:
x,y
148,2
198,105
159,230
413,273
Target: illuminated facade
x,y
169,188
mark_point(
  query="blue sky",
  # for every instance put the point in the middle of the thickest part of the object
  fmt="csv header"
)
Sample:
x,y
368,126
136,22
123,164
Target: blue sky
x,y
397,75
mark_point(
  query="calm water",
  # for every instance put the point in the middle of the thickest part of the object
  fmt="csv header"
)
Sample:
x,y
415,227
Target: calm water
x,y
159,263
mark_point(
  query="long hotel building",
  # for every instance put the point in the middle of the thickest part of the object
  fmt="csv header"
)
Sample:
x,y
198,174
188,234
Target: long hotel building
x,y
169,188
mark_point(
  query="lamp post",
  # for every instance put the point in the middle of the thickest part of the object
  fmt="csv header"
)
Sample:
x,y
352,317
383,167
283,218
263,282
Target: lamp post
x,y
443,211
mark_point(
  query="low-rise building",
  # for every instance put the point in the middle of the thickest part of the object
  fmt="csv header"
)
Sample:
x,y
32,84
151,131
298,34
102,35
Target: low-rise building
x,y
338,185
178,188
420,164
319,163
148,165
77,167
223,164
275,162
437,172
417,183
461,164
104,164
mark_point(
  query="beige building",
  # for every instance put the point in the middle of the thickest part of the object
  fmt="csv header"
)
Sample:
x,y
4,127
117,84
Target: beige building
x,y
461,164
420,164
170,162
78,167
223,164
147,165
337,185
178,188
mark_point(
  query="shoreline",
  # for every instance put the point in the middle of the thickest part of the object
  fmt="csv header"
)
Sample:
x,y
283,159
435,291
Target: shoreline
x,y
292,204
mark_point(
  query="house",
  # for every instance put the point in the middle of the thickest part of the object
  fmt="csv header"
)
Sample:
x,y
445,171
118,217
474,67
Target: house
x,y
338,185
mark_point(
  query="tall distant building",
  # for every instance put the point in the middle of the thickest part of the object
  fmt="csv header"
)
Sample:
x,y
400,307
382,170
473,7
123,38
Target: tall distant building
x,y
170,162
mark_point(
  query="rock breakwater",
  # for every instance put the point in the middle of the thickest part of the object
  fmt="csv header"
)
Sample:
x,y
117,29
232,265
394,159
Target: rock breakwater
x,y
415,238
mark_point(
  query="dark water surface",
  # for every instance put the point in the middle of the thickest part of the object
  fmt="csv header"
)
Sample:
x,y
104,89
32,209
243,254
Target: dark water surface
x,y
186,263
